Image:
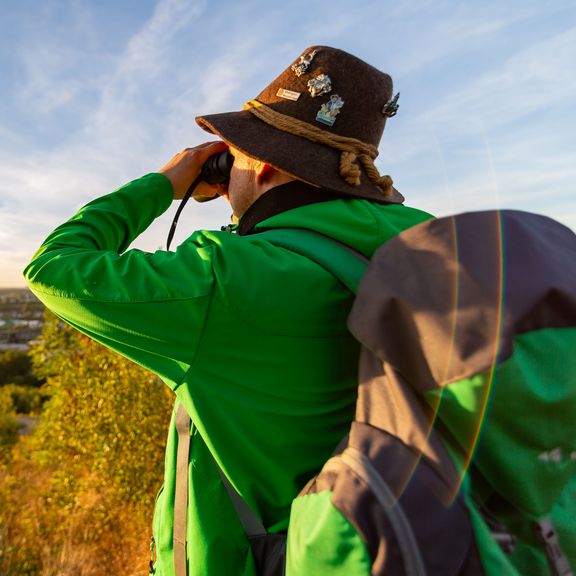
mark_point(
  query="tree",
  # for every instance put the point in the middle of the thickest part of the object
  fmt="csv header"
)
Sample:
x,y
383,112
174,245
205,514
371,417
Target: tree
x,y
16,368
99,449
8,425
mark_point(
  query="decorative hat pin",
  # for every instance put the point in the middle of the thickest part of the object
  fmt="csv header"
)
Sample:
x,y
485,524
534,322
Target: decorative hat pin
x,y
302,65
391,107
329,110
320,85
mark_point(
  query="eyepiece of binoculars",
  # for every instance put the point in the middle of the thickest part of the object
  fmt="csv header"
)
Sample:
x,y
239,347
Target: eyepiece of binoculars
x,y
216,169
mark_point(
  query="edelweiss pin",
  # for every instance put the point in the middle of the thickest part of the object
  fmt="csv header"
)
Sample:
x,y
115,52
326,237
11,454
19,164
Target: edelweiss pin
x,y
302,65
320,85
329,110
391,107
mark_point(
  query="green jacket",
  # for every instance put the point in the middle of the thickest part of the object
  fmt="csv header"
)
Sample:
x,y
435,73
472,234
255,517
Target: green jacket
x,y
251,338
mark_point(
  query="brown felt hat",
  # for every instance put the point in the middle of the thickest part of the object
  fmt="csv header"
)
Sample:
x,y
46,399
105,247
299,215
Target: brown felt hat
x,y
320,121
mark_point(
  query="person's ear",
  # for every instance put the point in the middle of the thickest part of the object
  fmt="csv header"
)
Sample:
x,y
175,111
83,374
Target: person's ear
x,y
263,172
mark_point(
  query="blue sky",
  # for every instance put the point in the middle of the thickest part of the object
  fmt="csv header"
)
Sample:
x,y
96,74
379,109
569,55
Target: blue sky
x,y
96,93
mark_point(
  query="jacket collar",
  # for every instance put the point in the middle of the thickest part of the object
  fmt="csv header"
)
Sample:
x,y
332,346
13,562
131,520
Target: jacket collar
x,y
280,199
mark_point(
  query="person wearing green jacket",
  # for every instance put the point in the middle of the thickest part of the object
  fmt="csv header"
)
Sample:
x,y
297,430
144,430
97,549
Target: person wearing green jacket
x,y
250,336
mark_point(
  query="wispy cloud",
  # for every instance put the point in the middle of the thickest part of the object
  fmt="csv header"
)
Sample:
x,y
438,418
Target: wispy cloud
x,y
501,140
56,59
146,52
48,87
529,82
488,134
110,146
521,190
431,30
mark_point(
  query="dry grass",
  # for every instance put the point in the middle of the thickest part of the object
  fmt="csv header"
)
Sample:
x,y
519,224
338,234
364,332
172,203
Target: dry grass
x,y
86,532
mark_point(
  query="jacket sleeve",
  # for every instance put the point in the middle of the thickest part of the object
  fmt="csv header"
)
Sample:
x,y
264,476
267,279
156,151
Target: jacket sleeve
x,y
149,307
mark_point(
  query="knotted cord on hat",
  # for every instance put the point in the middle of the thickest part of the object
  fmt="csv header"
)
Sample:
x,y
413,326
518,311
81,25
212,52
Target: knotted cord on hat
x,y
352,149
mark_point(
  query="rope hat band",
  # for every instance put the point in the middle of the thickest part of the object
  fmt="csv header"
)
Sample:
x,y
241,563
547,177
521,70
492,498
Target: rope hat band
x,y
352,150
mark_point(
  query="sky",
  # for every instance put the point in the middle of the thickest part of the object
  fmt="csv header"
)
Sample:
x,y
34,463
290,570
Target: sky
x,y
95,93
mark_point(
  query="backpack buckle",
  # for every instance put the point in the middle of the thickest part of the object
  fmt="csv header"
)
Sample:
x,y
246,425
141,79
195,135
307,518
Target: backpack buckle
x,y
506,541
558,562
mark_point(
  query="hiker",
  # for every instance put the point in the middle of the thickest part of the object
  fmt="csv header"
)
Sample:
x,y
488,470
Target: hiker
x,y
250,336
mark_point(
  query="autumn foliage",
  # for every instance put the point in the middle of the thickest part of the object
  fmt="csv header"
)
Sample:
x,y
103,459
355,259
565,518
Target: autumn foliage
x,y
77,495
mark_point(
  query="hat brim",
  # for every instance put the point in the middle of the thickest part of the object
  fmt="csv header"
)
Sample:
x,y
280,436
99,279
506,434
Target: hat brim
x,y
314,163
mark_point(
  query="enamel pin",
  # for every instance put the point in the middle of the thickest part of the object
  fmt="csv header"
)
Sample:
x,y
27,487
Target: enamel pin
x,y
320,85
288,94
328,111
391,107
302,65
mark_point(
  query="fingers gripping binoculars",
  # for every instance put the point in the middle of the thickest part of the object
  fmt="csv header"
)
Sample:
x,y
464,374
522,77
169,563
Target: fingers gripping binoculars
x,y
216,170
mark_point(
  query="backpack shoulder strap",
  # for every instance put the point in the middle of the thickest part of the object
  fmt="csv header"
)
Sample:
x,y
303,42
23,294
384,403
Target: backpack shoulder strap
x,y
181,492
251,522
341,260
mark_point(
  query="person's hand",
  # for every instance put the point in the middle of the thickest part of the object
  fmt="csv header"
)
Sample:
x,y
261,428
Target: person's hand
x,y
185,166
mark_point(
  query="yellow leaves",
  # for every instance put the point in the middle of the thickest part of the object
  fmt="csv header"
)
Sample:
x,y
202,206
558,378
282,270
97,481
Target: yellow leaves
x,y
86,479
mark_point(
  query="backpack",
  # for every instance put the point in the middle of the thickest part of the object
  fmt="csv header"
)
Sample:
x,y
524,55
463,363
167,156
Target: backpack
x,y
461,459
462,456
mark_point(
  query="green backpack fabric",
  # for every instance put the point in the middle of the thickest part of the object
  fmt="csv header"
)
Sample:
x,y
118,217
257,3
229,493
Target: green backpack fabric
x,y
462,456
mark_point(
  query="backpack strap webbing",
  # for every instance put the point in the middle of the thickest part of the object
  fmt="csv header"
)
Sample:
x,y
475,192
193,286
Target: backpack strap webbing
x,y
181,492
341,260
252,524
250,521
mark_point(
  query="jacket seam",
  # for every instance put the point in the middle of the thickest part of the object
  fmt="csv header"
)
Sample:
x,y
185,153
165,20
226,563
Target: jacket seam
x,y
202,332
68,296
379,232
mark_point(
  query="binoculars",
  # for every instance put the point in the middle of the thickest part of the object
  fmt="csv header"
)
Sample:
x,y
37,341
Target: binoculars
x,y
216,169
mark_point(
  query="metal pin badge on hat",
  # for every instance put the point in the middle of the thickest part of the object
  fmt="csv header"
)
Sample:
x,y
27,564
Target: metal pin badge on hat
x,y
391,107
288,94
329,110
320,85
302,65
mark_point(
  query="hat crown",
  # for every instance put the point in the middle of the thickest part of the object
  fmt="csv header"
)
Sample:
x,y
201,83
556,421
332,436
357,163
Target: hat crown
x,y
326,85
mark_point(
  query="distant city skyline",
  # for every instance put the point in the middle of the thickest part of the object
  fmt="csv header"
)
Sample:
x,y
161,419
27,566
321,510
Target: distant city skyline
x,y
95,94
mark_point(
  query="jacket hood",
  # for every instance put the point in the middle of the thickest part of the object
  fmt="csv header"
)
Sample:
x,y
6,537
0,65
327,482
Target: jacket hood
x,y
361,224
